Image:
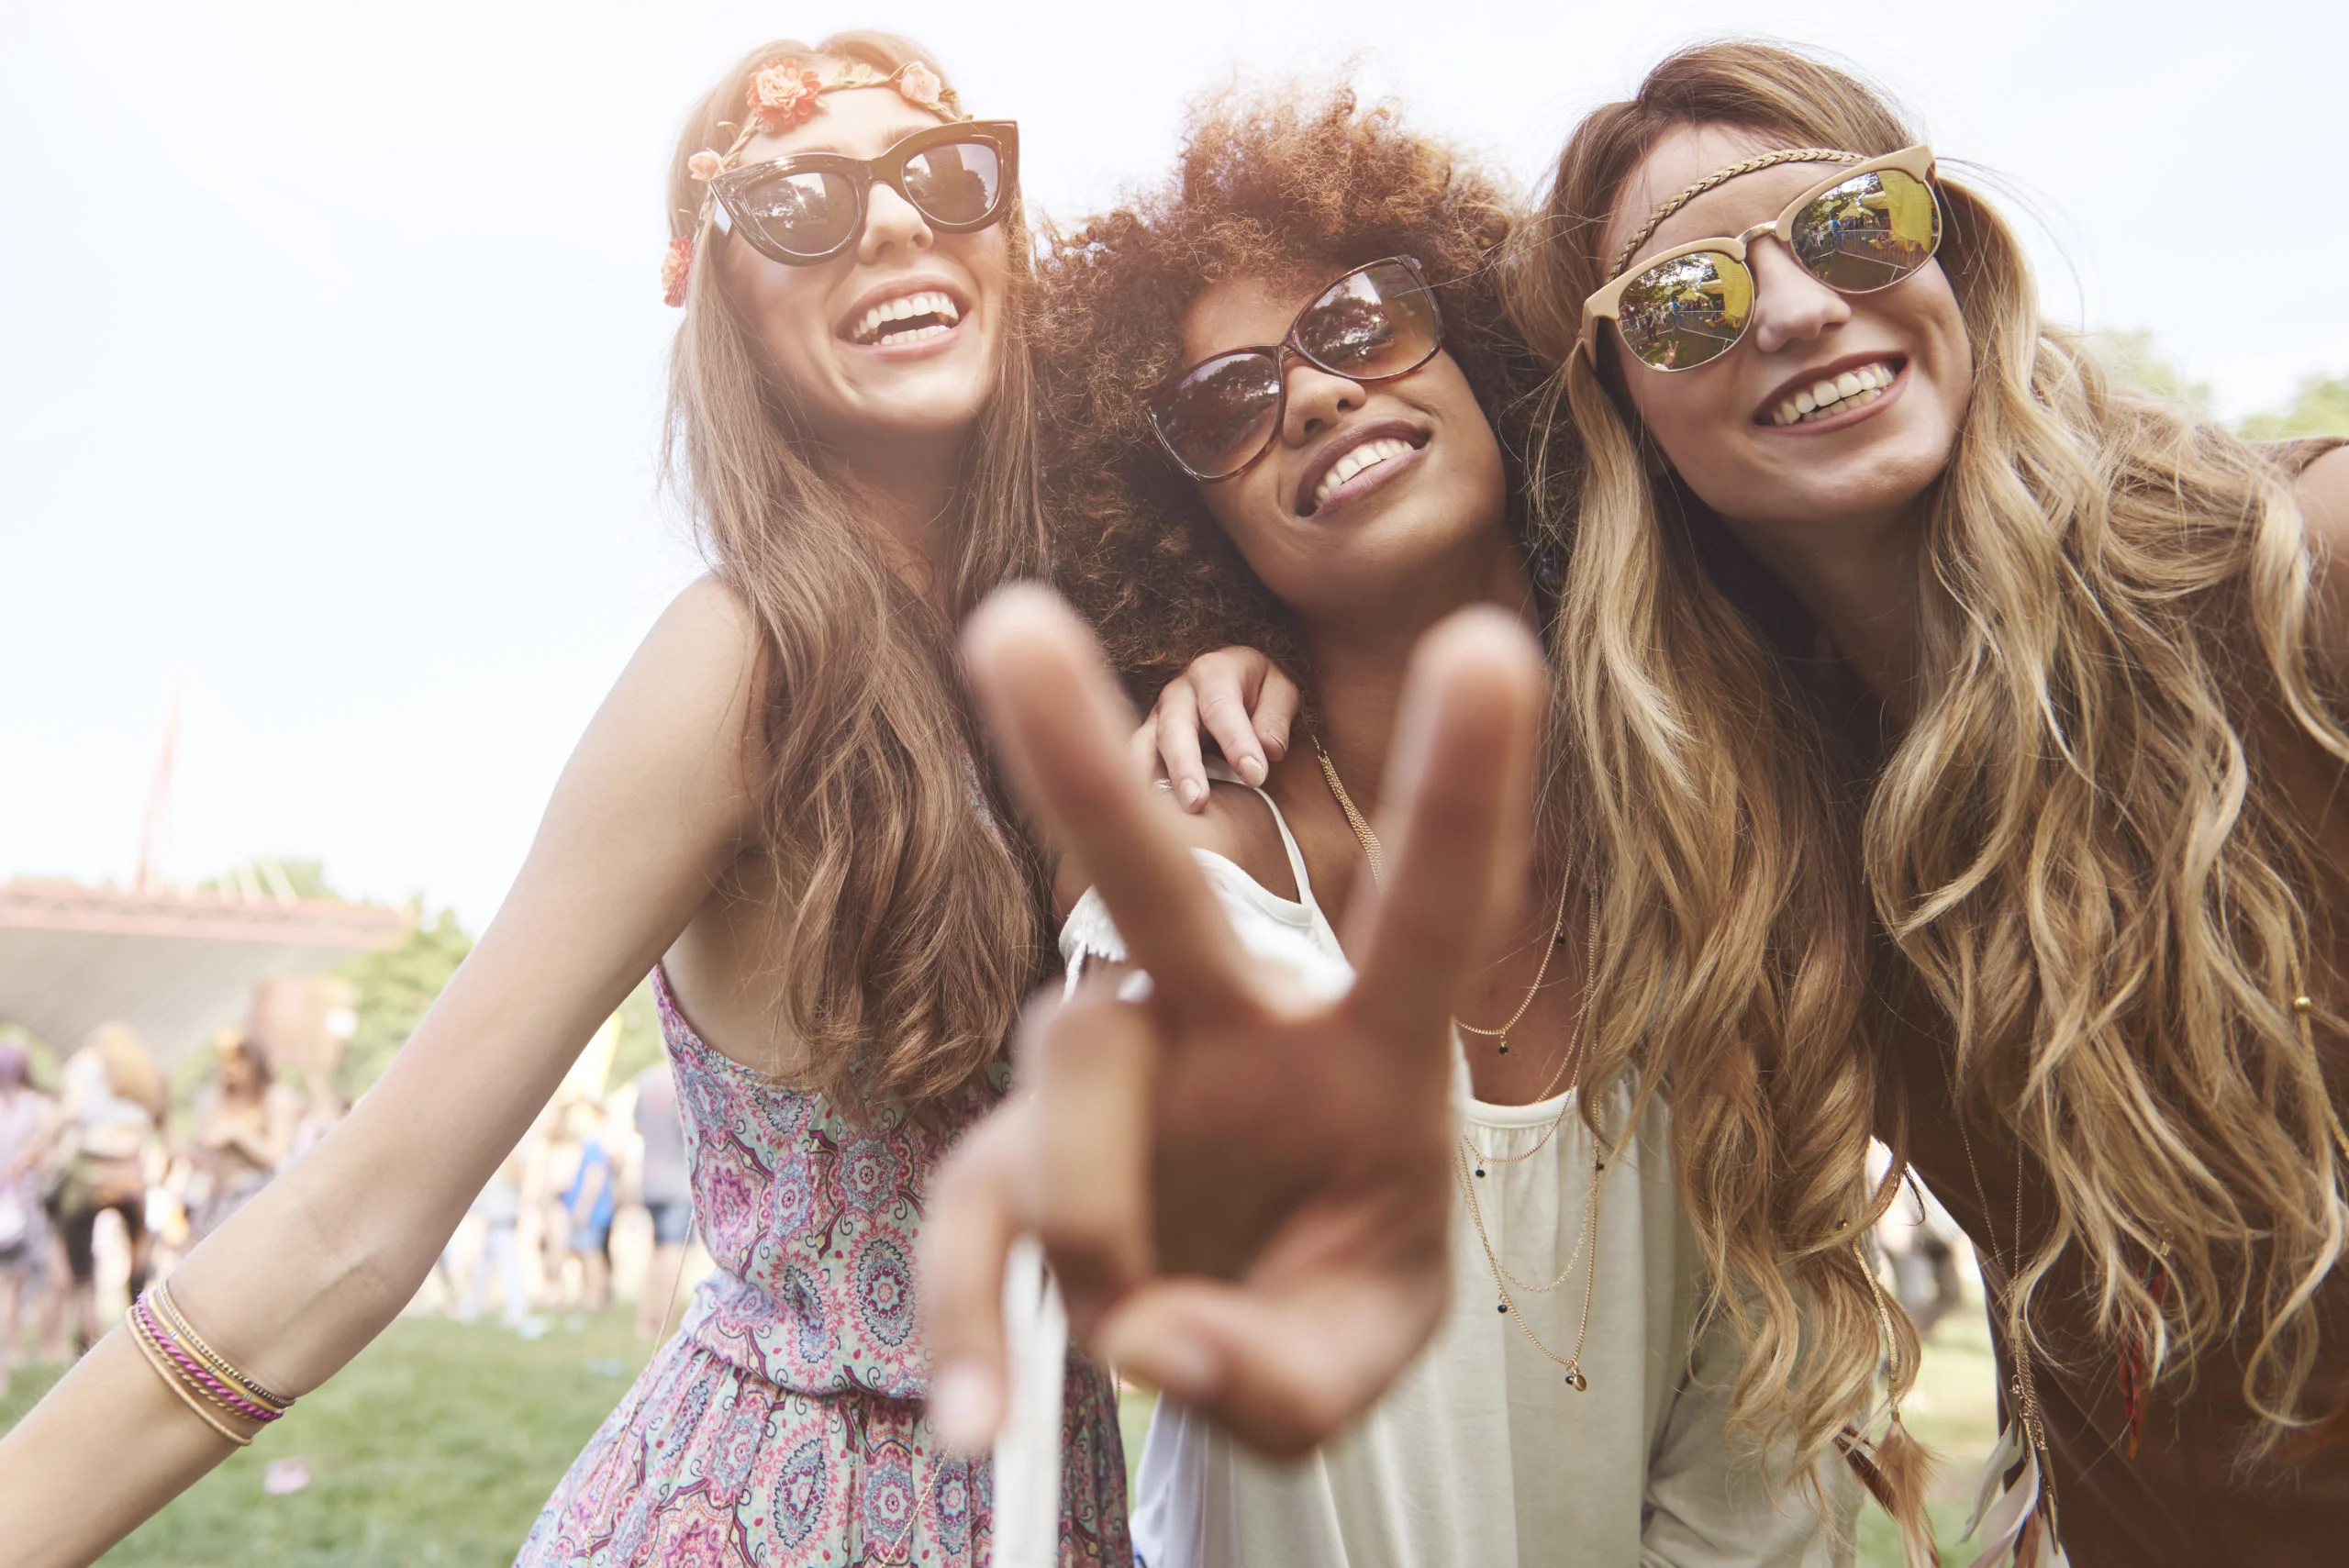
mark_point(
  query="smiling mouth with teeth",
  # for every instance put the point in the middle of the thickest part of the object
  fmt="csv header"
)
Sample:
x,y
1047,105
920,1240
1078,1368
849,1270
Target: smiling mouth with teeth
x,y
908,318
1370,454
1836,394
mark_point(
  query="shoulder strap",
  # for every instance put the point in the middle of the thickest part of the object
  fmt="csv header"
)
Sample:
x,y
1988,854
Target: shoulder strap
x,y
1222,773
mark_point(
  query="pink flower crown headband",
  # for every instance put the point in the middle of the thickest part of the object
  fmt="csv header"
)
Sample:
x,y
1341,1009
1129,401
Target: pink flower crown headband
x,y
783,93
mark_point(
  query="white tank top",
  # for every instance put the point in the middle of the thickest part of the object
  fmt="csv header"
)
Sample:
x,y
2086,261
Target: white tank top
x,y
1481,1454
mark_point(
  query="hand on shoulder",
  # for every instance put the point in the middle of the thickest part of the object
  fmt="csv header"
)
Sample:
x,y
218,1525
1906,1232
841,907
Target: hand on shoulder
x,y
1232,820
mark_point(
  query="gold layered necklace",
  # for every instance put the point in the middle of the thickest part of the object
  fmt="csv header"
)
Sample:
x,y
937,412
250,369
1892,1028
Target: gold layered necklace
x,y
1557,933
1375,853
1469,1161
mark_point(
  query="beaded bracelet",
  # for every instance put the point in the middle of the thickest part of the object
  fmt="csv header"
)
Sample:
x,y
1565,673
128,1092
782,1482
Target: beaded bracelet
x,y
192,1368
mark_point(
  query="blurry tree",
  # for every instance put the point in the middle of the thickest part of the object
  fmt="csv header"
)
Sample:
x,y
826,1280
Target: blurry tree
x,y
2319,408
2133,360
393,989
43,1062
305,877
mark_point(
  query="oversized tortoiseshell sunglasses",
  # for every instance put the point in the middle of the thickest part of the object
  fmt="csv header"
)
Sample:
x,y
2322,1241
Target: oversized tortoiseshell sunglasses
x,y
1862,229
1374,323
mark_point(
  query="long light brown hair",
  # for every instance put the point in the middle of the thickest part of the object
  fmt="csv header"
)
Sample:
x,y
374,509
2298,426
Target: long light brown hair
x,y
2074,848
907,930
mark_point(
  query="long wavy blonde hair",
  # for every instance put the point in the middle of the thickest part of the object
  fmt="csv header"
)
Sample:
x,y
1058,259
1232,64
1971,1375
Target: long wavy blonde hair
x,y
2074,848
906,933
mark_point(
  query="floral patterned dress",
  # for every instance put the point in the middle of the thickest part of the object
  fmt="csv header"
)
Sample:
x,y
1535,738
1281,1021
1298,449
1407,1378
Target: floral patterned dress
x,y
785,1423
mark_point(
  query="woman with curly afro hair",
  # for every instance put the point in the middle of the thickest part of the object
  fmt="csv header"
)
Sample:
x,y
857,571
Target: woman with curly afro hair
x,y
1280,390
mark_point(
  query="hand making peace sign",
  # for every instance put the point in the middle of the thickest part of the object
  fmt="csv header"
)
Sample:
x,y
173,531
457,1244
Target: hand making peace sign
x,y
1245,1192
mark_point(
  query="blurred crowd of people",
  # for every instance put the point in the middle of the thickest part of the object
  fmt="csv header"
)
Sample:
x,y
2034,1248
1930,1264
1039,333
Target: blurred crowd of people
x,y
596,1202
102,1187
98,1170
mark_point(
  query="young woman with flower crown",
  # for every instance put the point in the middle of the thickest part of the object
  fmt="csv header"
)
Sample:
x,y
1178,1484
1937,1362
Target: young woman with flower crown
x,y
777,807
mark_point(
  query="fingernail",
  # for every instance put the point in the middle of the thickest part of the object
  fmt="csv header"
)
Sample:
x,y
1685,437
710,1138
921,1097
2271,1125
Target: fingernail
x,y
1193,791
966,1407
1252,768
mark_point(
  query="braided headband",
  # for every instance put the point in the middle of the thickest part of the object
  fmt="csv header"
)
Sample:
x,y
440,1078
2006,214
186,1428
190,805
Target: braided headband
x,y
1791,155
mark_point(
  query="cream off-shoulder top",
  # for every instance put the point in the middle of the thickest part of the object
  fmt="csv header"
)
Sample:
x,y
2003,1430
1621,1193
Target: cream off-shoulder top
x,y
1483,1454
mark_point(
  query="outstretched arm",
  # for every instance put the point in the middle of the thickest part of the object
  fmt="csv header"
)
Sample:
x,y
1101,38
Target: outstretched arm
x,y
1242,1188
648,812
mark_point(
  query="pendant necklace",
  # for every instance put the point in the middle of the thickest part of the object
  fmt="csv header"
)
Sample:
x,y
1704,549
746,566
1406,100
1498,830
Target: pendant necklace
x,y
1470,1158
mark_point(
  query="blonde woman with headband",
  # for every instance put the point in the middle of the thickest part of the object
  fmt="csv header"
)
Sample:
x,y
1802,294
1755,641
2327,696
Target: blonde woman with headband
x,y
1966,728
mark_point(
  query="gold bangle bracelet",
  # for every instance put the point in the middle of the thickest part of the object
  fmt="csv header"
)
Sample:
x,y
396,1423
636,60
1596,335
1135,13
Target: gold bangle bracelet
x,y
193,1375
170,1374
162,1296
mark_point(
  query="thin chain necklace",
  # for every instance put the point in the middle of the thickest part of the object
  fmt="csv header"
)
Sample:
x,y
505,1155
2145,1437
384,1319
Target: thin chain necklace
x,y
1502,1278
1557,933
2024,1388
1370,847
1572,1057
1375,853
1469,1154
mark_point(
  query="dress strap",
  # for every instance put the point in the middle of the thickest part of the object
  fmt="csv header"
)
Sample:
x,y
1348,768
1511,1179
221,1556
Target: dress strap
x,y
1223,774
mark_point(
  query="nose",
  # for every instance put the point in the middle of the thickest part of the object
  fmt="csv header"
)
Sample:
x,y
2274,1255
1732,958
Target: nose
x,y
892,223
1317,400
1789,305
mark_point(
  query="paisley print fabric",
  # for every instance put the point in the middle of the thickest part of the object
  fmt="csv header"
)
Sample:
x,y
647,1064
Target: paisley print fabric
x,y
784,1424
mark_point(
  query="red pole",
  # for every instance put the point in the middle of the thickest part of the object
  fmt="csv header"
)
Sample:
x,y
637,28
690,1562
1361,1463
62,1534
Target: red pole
x,y
155,835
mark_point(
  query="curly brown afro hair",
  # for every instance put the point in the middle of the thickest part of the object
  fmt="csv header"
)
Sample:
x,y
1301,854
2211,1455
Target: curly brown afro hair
x,y
1294,184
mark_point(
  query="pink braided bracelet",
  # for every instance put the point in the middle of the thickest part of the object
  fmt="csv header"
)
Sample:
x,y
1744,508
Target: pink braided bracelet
x,y
195,1373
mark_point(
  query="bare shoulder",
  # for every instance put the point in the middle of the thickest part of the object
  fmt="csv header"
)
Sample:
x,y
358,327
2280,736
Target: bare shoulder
x,y
1237,824
2323,491
708,627
696,672
671,738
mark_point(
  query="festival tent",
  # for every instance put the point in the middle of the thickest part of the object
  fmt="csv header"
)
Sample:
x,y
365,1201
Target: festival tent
x,y
173,963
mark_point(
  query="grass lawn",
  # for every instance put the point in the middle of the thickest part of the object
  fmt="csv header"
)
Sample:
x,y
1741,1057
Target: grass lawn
x,y
438,1445
1954,1411
440,1442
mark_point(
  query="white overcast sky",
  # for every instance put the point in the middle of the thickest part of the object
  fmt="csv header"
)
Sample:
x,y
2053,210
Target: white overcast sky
x,y
330,347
